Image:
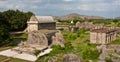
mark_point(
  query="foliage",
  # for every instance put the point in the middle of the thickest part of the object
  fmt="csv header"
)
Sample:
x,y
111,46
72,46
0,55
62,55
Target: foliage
x,y
4,29
108,59
17,19
90,54
12,20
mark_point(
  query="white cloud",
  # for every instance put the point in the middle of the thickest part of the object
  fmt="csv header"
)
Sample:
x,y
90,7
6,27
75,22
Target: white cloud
x,y
83,7
34,6
68,0
20,4
5,4
116,2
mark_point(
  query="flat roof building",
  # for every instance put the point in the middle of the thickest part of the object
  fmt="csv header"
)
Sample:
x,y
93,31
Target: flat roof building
x,y
102,35
41,22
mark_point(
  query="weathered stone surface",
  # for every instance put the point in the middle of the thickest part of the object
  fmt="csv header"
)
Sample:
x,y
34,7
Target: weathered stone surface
x,y
39,41
36,41
58,39
37,38
71,58
53,59
102,35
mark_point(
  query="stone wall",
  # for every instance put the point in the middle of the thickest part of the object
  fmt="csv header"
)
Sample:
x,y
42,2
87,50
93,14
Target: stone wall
x,y
102,35
88,25
68,28
47,26
32,27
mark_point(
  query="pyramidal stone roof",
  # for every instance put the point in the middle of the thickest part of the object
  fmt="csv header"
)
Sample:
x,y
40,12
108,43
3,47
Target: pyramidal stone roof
x,y
42,19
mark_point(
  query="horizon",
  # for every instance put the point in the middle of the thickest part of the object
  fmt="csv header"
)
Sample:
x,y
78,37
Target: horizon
x,y
102,8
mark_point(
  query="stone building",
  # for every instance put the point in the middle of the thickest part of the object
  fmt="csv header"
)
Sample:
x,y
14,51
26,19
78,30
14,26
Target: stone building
x,y
102,35
41,22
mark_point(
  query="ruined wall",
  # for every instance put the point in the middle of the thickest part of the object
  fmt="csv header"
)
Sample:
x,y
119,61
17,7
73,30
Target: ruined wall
x,y
93,37
88,25
47,26
102,35
32,27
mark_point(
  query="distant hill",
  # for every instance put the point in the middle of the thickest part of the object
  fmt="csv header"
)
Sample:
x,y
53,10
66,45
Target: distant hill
x,y
75,15
117,18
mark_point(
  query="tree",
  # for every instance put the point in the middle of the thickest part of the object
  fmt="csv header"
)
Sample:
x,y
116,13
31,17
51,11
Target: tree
x,y
4,28
17,19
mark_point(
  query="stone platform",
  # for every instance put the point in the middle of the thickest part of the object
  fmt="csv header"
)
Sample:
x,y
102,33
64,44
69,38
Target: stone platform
x,y
24,56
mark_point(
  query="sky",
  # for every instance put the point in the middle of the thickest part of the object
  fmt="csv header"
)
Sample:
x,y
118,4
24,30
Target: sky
x,y
104,8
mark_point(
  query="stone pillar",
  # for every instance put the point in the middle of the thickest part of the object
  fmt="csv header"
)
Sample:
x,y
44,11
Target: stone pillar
x,y
107,38
114,35
103,38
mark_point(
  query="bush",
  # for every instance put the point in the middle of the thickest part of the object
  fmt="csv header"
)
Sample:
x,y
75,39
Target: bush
x,y
91,54
108,59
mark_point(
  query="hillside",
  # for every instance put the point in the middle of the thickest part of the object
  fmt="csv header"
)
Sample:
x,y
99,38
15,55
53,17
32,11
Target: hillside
x,y
75,15
117,18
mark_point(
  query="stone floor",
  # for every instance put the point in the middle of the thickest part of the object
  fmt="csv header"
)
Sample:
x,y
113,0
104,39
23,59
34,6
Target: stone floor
x,y
23,56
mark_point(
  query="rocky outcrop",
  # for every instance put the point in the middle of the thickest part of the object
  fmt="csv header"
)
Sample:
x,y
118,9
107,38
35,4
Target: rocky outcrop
x,y
37,41
37,38
52,59
71,58
58,39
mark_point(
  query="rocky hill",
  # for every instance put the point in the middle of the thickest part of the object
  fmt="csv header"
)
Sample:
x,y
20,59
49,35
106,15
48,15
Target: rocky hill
x,y
75,15
117,18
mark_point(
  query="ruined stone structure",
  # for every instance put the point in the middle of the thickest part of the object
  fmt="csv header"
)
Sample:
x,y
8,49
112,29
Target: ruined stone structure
x,y
68,28
41,22
102,35
72,58
88,25
40,40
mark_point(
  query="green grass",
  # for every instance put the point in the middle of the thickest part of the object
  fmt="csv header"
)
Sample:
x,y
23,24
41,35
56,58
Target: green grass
x,y
17,38
76,43
20,36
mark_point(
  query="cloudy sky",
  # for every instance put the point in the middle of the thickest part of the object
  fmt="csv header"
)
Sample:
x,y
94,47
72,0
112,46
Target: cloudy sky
x,y
105,8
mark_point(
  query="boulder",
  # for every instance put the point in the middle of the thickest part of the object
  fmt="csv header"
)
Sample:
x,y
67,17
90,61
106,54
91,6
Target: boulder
x,y
58,39
37,38
71,58
52,59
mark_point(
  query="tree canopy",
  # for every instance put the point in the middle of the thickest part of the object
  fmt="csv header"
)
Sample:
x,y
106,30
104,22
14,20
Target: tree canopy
x,y
17,19
12,20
